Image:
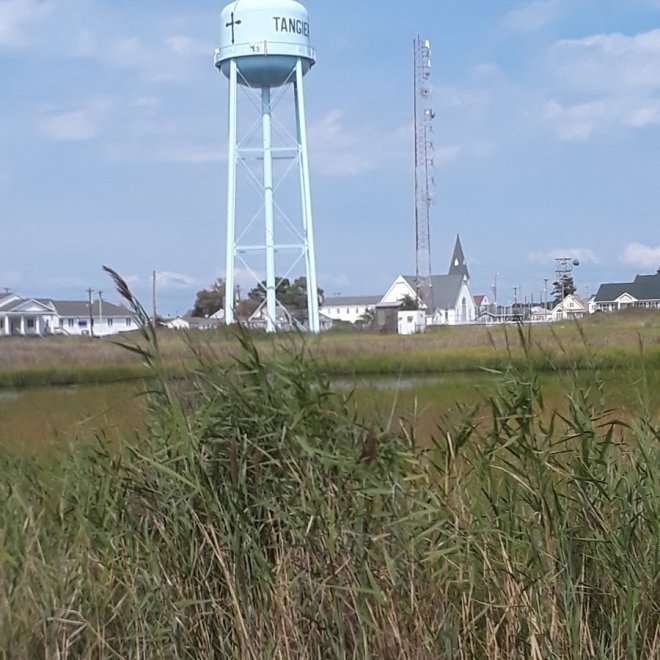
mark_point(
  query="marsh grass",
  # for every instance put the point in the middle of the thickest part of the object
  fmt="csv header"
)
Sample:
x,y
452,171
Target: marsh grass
x,y
258,518
612,344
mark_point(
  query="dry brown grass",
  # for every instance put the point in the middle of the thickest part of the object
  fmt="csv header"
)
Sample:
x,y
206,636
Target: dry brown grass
x,y
460,348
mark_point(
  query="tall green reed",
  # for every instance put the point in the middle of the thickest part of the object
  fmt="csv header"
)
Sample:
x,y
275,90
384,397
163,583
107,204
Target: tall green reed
x,y
258,517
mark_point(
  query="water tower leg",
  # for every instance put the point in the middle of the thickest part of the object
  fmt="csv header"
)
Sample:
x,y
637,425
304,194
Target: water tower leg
x,y
271,300
231,194
305,189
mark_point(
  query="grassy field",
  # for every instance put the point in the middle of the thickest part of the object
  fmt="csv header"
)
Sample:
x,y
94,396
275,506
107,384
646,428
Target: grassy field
x,y
257,517
603,340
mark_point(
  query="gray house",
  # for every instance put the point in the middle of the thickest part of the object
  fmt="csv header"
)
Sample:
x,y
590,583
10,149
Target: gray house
x,y
643,292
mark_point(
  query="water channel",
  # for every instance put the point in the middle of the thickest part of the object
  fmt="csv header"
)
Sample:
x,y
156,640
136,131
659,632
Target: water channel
x,y
38,419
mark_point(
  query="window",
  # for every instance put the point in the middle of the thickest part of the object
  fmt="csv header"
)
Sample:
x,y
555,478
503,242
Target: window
x,y
109,321
71,323
129,322
30,323
2,324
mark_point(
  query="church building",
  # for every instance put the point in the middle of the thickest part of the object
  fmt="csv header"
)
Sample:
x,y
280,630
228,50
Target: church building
x,y
451,300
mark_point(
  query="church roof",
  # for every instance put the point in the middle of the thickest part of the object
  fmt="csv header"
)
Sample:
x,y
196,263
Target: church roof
x,y
444,288
457,265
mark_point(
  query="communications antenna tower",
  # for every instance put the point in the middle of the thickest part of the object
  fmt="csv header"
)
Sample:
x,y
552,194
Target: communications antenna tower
x,y
424,167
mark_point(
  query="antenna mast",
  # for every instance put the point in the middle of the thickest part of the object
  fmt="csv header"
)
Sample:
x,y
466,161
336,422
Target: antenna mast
x,y
423,170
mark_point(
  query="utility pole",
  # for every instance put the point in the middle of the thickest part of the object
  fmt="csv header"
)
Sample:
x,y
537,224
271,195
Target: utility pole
x,y
100,307
91,315
153,296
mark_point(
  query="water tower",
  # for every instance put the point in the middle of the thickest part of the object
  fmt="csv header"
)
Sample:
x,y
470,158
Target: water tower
x,y
265,51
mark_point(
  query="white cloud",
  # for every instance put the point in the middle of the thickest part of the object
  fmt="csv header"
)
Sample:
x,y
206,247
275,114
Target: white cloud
x,y
168,58
339,149
644,256
532,16
15,18
583,255
168,280
609,63
336,150
605,81
77,125
577,123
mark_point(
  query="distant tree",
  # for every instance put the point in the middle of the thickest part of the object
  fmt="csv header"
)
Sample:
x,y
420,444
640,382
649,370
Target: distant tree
x,y
293,295
408,304
209,301
368,319
562,287
245,308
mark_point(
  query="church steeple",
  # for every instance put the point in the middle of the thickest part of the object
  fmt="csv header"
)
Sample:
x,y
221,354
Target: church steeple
x,y
458,265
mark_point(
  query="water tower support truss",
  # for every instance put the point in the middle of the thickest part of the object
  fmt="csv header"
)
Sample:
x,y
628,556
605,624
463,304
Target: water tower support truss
x,y
276,221
265,50
424,179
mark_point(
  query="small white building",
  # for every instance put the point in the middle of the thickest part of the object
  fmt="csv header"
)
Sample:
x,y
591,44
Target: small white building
x,y
349,308
412,322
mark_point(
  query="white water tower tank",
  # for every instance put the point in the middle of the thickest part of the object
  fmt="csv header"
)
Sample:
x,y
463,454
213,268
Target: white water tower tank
x,y
266,38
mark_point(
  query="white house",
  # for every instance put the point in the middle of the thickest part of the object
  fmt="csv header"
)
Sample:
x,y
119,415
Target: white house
x,y
20,316
43,316
348,308
540,314
643,292
571,307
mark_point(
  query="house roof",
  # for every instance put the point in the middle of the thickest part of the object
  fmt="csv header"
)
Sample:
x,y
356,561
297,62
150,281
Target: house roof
x,y
457,265
9,303
566,305
80,308
645,287
444,288
344,301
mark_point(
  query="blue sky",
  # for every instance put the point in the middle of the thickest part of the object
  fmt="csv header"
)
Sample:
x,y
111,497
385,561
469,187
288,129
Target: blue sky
x,y
547,139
